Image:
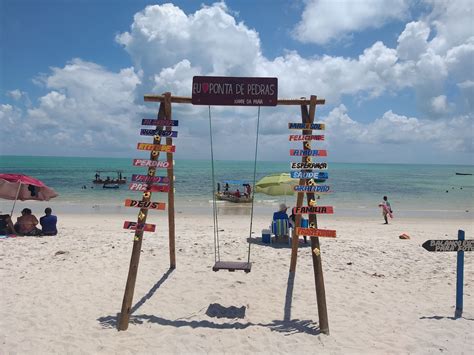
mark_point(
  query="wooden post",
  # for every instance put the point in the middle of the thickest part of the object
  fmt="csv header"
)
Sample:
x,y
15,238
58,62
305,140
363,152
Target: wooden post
x,y
315,248
169,158
137,243
299,203
459,279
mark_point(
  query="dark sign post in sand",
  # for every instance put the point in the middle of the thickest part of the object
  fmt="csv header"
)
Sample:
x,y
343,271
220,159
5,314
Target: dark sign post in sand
x,y
460,246
234,91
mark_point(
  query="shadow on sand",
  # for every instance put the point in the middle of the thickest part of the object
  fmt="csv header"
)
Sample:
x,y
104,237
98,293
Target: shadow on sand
x,y
215,310
279,244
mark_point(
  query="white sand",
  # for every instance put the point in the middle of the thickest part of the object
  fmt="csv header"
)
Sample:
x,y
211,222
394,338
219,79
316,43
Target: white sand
x,y
385,295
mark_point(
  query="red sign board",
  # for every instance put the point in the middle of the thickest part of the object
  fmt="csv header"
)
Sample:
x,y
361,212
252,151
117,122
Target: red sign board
x,y
234,91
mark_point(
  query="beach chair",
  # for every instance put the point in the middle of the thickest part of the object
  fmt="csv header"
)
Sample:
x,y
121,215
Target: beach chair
x,y
280,228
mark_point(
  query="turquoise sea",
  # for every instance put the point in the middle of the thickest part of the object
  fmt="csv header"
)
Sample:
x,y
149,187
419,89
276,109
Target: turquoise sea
x,y
358,188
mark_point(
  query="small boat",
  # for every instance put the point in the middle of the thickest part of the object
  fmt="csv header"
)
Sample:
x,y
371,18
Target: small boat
x,y
120,180
463,174
114,186
235,191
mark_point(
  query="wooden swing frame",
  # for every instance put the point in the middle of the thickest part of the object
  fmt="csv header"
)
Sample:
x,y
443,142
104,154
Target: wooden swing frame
x,y
308,110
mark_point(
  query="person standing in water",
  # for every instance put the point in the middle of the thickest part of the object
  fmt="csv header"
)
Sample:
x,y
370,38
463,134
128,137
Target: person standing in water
x,y
386,209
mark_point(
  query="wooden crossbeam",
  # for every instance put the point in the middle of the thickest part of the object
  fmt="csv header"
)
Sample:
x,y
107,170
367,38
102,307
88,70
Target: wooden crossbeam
x,y
187,100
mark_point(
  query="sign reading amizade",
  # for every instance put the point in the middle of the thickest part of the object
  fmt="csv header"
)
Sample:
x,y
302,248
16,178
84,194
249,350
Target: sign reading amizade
x,y
235,91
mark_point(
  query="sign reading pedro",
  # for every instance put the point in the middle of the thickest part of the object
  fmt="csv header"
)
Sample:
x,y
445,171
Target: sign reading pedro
x,y
234,91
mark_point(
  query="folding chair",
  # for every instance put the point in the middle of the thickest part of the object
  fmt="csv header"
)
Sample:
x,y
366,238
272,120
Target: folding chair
x,y
280,228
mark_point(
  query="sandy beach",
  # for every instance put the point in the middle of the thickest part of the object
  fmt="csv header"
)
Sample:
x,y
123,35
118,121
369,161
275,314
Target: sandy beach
x,y
384,295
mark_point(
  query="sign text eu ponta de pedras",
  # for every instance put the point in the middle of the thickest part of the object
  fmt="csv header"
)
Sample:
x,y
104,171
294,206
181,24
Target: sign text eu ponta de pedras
x,y
234,91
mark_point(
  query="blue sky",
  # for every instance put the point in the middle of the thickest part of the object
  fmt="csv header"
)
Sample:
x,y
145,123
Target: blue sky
x,y
397,75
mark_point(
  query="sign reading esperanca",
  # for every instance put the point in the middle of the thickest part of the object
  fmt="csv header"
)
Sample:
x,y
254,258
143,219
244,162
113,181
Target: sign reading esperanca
x,y
234,91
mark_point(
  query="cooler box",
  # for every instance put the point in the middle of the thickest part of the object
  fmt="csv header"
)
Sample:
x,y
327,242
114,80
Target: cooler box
x,y
266,236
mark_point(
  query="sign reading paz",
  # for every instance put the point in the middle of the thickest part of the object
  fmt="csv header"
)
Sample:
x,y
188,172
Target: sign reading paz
x,y
139,226
235,91
138,186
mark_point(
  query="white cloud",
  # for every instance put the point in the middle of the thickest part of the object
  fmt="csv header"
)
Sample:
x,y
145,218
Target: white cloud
x,y
87,107
452,20
454,134
413,41
440,104
163,35
16,94
325,20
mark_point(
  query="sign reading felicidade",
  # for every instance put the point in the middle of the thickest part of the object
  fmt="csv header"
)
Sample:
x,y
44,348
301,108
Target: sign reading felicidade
x,y
234,91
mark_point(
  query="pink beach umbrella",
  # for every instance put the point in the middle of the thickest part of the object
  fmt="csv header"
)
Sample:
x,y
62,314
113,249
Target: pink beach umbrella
x,y
22,187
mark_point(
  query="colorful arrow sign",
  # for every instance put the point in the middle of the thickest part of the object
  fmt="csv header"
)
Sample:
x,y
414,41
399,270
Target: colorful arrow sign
x,y
305,137
313,210
158,132
139,226
149,122
314,232
150,179
152,163
312,188
145,204
138,186
156,147
309,175
308,152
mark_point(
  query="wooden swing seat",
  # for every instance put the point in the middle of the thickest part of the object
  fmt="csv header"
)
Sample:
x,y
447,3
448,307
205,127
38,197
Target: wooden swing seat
x,y
232,266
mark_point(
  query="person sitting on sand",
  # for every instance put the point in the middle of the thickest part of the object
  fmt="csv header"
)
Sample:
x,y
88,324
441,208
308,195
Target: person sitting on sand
x,y
281,213
48,223
237,193
6,225
26,223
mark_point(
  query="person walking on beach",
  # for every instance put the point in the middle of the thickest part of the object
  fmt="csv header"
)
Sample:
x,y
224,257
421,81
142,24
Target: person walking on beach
x,y
386,209
48,223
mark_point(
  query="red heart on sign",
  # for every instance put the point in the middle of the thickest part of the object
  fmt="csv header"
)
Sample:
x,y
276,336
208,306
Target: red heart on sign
x,y
205,87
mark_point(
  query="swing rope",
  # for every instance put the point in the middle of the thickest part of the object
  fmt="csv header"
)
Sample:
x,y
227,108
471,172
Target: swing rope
x,y
254,179
217,256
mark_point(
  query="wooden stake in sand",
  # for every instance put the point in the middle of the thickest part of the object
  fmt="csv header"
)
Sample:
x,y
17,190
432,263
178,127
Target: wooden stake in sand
x,y
307,125
164,113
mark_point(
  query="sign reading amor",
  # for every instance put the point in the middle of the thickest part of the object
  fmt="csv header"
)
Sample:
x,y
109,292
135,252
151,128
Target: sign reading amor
x,y
234,91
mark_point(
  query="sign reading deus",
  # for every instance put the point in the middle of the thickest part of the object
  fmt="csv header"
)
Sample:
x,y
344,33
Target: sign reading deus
x,y
235,91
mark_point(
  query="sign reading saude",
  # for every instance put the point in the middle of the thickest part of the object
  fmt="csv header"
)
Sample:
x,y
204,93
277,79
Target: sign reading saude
x,y
235,91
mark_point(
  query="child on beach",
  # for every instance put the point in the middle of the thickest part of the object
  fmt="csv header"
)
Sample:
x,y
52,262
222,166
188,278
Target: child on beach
x,y
386,209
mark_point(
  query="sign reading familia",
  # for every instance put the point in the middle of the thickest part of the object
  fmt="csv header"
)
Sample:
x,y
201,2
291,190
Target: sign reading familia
x,y
234,91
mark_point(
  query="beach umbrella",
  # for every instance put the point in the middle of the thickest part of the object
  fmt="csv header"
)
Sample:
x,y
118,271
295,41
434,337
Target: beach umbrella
x,y
22,187
276,185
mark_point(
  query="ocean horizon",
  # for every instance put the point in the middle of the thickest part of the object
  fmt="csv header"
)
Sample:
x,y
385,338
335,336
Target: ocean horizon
x,y
357,187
